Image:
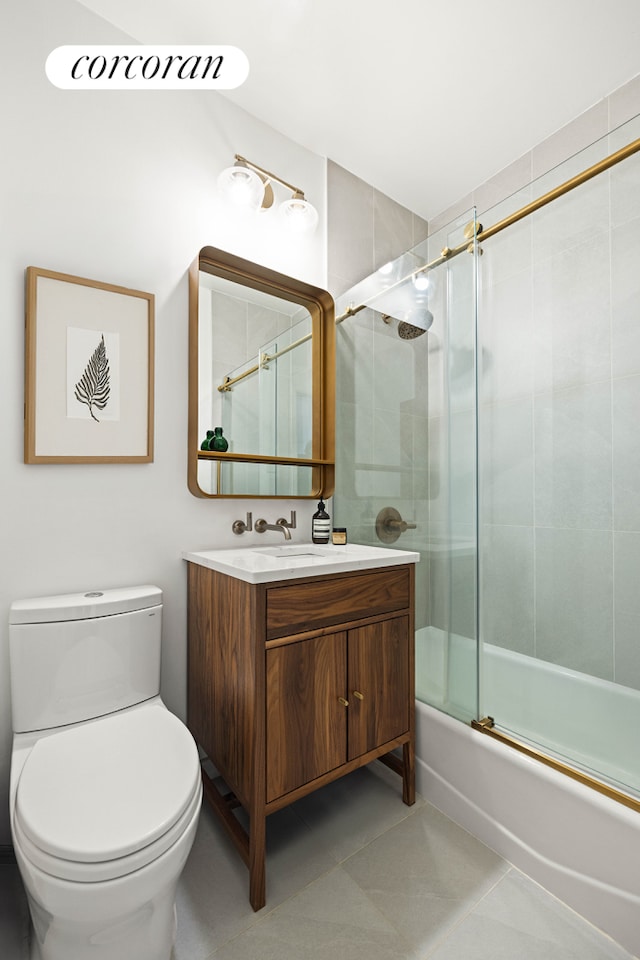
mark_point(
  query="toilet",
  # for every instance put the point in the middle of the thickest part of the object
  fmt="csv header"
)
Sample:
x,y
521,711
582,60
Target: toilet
x,y
105,788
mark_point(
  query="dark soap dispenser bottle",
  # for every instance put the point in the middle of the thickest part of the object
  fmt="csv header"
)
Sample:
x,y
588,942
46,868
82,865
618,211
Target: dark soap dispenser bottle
x,y
321,525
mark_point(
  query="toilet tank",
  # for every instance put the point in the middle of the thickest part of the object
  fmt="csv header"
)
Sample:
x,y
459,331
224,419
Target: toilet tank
x,y
80,656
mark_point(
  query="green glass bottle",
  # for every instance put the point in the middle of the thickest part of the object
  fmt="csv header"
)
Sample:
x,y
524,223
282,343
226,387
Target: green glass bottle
x,y
218,442
207,440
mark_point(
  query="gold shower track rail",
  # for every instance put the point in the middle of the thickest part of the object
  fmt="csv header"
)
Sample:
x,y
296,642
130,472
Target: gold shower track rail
x,y
448,253
263,360
486,725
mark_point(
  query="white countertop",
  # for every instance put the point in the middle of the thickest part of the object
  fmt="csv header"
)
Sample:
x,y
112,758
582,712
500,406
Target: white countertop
x,y
293,560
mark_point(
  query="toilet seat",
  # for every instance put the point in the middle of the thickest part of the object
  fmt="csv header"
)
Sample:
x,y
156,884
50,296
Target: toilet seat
x,y
108,869
104,798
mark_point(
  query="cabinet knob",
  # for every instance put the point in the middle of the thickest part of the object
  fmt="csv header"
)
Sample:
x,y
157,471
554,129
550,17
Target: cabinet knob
x,y
345,703
358,695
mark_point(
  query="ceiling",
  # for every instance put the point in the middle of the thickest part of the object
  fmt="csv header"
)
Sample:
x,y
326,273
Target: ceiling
x,y
423,100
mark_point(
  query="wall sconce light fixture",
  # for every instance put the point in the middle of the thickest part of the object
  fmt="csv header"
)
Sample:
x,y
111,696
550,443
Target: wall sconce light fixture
x,y
247,185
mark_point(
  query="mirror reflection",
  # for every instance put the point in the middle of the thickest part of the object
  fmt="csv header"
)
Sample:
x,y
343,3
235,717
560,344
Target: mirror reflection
x,y
263,395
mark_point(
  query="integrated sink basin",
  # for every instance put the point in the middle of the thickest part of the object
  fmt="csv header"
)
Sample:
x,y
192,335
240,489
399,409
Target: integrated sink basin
x,y
293,551
256,564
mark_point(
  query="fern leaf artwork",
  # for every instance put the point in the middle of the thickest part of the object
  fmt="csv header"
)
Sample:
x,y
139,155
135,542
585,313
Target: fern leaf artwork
x,y
93,387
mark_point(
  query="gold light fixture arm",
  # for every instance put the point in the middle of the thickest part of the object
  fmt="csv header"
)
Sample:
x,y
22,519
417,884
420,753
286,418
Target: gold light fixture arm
x,y
297,192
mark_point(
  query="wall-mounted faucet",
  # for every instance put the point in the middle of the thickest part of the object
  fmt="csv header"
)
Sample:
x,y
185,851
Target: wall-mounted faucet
x,y
281,524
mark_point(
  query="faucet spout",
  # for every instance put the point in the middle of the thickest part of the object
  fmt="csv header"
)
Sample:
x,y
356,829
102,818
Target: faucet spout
x,y
261,525
282,525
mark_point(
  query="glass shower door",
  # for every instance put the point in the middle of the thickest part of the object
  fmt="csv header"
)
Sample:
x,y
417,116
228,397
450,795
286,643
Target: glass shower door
x,y
559,395
405,428
447,647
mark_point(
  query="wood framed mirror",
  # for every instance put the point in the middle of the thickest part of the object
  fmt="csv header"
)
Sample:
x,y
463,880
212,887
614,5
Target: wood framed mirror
x,y
261,382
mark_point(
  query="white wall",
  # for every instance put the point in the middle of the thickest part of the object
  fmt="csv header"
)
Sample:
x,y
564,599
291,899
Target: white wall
x,y
118,187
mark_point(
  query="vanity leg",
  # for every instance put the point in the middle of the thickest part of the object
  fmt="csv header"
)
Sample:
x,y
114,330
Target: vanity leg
x,y
405,768
251,846
408,773
257,854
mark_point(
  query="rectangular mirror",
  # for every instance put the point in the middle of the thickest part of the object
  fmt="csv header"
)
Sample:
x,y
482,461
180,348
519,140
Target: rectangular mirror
x,y
261,382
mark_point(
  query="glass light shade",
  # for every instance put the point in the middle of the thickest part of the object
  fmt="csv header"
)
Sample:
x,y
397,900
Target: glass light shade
x,y
422,282
299,215
387,273
242,187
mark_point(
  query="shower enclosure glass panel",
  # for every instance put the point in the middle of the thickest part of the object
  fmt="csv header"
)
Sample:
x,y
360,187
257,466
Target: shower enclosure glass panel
x,y
559,468
447,650
405,438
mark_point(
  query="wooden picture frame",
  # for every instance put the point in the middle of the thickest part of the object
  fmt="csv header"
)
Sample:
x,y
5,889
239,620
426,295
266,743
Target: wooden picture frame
x,y
89,371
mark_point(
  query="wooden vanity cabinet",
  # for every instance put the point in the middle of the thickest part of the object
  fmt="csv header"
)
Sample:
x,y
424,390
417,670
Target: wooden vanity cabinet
x,y
295,683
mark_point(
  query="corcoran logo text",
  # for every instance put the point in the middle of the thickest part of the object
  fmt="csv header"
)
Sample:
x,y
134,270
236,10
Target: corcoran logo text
x,y
135,67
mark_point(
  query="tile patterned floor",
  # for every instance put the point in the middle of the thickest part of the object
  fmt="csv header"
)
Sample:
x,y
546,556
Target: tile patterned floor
x,y
352,872
14,915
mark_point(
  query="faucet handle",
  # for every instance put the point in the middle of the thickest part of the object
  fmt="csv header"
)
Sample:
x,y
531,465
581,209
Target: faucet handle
x,y
389,525
239,526
291,524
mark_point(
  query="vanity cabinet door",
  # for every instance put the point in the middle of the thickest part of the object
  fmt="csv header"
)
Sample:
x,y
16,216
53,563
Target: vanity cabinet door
x,y
306,720
378,683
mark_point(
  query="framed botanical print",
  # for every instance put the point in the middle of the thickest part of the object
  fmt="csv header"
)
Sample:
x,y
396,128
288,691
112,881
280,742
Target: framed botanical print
x,y
89,371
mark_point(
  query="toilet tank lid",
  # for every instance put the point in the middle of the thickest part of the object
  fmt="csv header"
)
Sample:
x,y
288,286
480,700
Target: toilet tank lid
x,y
84,606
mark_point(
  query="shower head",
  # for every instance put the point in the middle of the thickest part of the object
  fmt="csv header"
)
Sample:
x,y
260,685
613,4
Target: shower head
x,y
408,330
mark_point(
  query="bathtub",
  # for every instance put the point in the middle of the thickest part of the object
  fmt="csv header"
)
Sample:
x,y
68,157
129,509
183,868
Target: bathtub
x,y
591,722
577,843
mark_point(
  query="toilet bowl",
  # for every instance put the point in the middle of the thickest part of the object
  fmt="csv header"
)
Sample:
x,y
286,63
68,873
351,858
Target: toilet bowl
x,y
103,809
